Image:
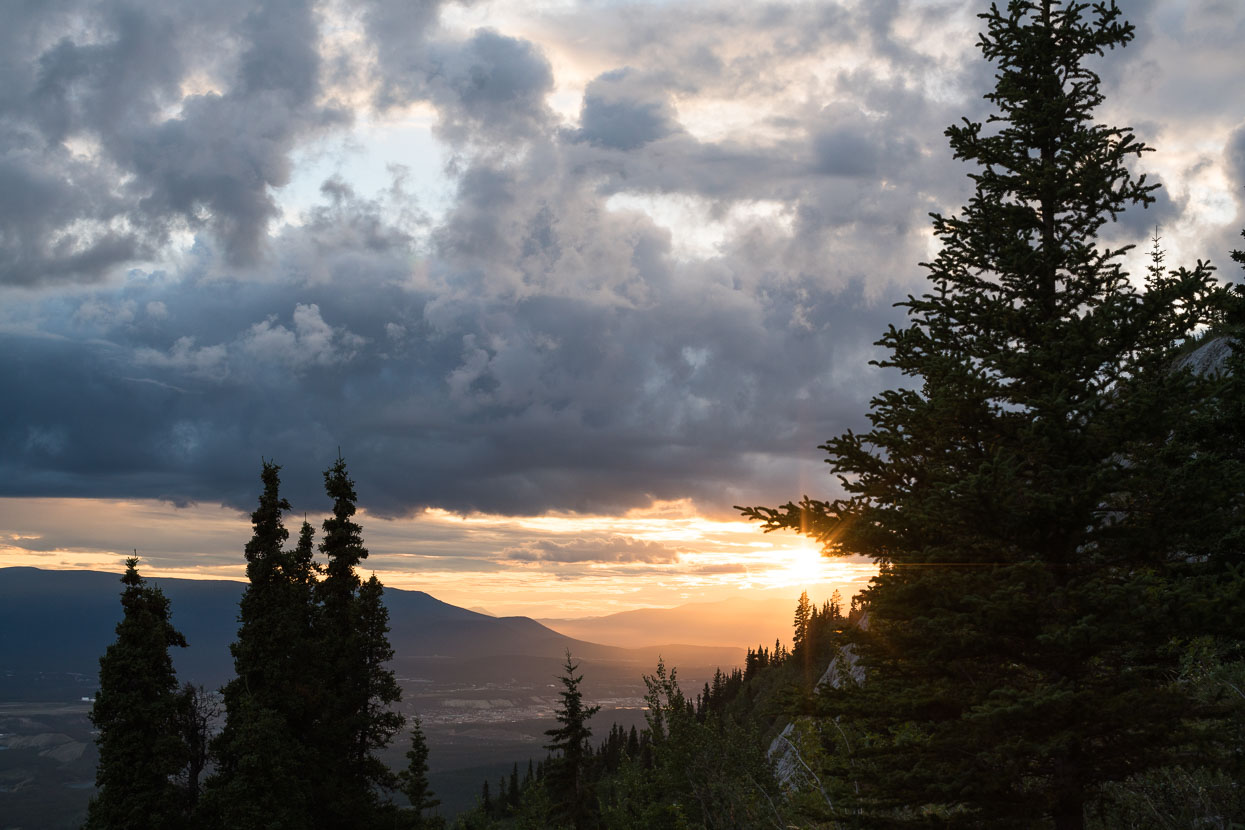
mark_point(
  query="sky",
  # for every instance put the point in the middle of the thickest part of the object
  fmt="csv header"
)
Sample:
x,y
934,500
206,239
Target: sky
x,y
564,282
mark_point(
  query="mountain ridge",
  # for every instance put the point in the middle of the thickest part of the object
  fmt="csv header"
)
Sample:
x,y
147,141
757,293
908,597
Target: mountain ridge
x,y
63,620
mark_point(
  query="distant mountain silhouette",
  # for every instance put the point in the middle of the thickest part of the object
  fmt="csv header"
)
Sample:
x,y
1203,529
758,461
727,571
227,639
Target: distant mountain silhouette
x,y
62,621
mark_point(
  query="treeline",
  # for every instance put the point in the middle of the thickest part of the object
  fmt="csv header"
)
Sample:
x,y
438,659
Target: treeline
x,y
700,761
305,717
697,763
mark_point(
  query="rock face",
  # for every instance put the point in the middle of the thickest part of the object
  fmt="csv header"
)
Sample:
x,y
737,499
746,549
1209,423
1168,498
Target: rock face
x,y
782,752
845,666
803,735
1210,357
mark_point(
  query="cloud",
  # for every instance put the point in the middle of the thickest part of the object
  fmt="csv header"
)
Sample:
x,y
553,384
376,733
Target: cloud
x,y
620,113
666,241
616,549
1235,157
208,362
399,30
487,88
854,146
124,124
490,88
312,342
565,385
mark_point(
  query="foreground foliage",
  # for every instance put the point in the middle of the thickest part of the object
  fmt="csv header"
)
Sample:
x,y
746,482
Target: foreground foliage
x,y
1049,518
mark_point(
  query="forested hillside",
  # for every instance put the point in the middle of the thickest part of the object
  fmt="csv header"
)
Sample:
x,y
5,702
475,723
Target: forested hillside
x,y
718,756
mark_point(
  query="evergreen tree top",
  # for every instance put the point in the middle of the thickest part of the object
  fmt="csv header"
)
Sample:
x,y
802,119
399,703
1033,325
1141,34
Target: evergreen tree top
x,y
572,714
1020,266
263,551
343,538
414,779
1029,325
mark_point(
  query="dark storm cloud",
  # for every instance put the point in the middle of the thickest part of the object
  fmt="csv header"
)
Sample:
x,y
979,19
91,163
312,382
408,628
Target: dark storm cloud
x,y
398,29
594,390
1137,222
552,339
216,163
621,113
1235,156
1234,153
854,146
488,88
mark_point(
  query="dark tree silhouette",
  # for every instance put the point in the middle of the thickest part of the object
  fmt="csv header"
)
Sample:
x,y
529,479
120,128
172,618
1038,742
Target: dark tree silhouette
x,y
1028,499
264,773
413,780
357,687
135,711
566,773
197,711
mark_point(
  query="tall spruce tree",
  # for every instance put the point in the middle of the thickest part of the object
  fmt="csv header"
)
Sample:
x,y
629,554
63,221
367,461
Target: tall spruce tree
x,y
135,711
263,776
566,776
354,720
1023,499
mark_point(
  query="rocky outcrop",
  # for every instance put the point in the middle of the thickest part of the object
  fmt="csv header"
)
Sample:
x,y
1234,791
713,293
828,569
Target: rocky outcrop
x,y
801,739
1209,357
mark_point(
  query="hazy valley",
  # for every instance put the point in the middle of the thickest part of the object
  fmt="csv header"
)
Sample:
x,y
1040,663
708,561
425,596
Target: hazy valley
x,y
485,687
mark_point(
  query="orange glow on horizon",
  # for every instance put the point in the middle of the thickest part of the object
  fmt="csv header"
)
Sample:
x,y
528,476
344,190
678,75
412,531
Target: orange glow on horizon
x,y
553,565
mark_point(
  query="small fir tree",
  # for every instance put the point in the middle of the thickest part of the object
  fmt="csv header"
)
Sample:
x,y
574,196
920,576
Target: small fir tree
x,y
413,780
800,624
566,776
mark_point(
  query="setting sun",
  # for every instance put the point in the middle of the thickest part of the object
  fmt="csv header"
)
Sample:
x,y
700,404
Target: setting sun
x,y
798,566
